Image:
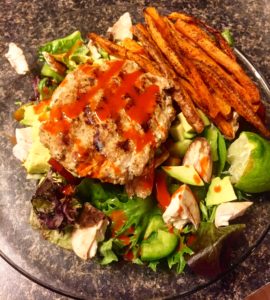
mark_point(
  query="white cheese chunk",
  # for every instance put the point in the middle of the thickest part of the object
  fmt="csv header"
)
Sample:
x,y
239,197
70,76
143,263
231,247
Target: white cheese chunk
x,y
17,59
85,240
24,141
182,209
122,28
229,211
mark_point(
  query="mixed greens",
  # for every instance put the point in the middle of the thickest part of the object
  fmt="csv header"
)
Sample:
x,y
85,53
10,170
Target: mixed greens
x,y
137,230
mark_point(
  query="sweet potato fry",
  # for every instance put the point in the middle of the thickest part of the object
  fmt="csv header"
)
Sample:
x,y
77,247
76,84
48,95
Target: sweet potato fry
x,y
219,56
121,52
133,46
242,108
193,76
224,126
150,47
164,46
188,109
199,57
174,16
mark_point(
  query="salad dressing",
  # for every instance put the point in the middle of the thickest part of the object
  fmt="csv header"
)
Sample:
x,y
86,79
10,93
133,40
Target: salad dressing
x,y
139,105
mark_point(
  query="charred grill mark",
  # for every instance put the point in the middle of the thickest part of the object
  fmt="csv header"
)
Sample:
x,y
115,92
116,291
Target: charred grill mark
x,y
91,81
145,126
124,145
97,142
89,116
66,139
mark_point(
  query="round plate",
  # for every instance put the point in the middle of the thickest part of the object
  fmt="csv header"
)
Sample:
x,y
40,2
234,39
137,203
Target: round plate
x,y
61,270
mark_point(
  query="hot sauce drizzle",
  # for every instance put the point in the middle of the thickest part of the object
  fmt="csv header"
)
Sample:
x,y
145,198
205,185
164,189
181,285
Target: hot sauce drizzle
x,y
139,105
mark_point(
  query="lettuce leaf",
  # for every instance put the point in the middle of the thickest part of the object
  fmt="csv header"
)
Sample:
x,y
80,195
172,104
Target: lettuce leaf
x,y
106,251
60,46
61,238
212,248
178,259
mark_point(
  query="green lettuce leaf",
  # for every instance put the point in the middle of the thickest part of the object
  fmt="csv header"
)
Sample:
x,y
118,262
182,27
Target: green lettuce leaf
x,y
212,248
106,251
178,259
60,46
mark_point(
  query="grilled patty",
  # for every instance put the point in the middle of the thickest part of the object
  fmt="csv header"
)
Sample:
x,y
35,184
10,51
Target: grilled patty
x,y
106,121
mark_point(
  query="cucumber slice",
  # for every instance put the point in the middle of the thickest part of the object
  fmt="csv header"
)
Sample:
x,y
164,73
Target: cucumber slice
x,y
158,245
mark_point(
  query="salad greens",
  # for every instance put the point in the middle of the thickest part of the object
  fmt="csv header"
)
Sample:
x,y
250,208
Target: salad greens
x,y
137,231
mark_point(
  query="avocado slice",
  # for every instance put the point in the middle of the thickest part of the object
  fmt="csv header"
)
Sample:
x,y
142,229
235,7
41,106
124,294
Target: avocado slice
x,y
158,245
185,174
179,148
220,191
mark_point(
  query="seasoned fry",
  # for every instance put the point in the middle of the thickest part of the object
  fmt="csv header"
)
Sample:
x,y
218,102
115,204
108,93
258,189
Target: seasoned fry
x,y
193,76
132,46
223,45
174,16
121,52
164,46
224,126
220,57
150,47
200,57
242,108
188,109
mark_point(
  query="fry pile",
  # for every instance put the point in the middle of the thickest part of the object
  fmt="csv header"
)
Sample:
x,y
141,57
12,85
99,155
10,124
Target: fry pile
x,y
199,63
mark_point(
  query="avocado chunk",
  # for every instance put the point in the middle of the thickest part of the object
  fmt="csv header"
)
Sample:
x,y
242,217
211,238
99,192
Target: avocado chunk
x,y
37,159
220,191
179,134
29,117
159,245
179,148
186,126
185,174
156,222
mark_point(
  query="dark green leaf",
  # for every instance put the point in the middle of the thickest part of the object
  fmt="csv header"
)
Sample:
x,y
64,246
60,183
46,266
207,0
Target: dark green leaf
x,y
210,245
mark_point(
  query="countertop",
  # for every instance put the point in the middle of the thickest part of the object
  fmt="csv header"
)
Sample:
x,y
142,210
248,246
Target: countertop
x,y
250,23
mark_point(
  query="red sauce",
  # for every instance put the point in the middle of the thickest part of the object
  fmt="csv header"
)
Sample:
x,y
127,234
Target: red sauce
x,y
204,165
68,190
191,239
129,256
170,228
196,178
39,108
124,239
140,140
217,188
162,194
118,218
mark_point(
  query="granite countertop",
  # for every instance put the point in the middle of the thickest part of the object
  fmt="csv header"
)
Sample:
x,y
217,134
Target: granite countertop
x,y
29,23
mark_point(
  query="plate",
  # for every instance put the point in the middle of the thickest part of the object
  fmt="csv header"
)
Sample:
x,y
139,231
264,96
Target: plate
x,y
61,270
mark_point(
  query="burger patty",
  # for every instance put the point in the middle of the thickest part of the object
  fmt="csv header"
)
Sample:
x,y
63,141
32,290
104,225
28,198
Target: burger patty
x,y
106,121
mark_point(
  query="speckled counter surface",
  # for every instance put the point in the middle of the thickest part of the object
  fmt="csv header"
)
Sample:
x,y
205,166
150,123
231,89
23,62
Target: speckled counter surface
x,y
29,23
